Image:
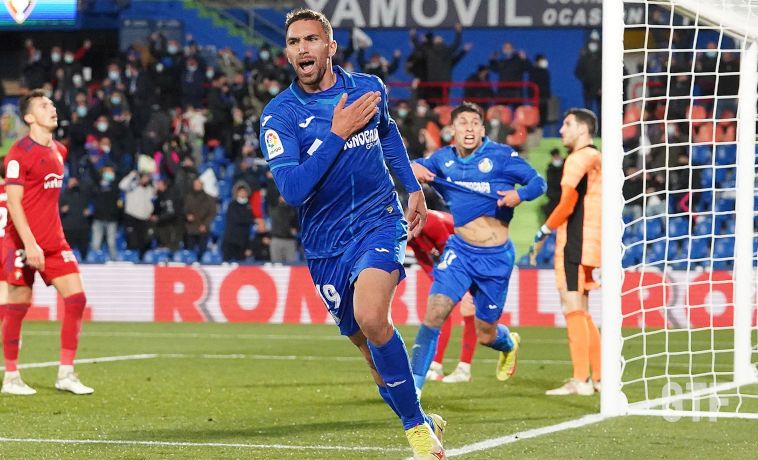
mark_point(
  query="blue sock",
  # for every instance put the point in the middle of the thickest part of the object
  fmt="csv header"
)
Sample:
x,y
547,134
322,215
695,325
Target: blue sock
x,y
423,352
391,360
387,399
503,341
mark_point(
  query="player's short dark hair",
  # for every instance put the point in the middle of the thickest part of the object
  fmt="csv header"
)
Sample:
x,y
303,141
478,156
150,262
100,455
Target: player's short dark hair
x,y
467,107
26,101
305,14
586,117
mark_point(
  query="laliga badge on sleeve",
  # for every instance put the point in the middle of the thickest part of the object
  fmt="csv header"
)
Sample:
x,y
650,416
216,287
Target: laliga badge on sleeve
x,y
274,145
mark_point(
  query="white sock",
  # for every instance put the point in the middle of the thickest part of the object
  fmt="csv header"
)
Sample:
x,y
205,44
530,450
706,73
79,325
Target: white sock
x,y
10,374
465,367
435,366
65,369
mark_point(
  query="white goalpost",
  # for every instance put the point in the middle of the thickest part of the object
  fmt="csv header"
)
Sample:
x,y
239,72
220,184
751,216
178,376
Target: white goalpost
x,y
679,115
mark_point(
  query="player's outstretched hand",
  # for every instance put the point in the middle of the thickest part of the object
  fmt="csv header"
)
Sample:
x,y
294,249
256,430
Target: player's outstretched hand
x,y
415,214
35,258
422,173
348,120
509,198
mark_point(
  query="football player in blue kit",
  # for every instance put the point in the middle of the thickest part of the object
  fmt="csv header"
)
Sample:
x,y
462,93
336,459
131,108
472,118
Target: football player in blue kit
x,y
477,179
326,139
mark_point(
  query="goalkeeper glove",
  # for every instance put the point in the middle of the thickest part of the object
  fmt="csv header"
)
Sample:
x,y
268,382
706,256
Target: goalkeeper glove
x,y
542,233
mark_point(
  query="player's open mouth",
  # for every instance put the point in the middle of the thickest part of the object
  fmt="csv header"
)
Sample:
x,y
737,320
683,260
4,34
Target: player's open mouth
x,y
307,65
470,138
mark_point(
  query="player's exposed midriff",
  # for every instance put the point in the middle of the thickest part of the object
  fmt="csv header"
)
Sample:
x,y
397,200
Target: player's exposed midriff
x,y
484,231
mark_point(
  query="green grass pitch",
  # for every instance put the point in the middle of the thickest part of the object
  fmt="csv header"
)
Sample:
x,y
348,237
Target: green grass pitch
x,y
264,390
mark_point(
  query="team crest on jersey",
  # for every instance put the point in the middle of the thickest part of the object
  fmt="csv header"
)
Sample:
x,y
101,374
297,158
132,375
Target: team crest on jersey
x,y
273,144
485,165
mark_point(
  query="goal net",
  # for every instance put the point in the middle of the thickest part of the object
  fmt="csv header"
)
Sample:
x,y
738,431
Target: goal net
x,y
679,144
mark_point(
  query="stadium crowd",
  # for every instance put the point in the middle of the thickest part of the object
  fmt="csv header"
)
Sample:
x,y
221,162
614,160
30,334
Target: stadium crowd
x,y
164,160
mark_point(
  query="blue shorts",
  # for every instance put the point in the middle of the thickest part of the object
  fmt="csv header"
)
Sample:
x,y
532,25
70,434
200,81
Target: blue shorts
x,y
485,271
334,277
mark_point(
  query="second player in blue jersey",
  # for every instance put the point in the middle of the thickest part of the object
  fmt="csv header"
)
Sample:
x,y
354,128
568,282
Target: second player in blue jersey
x,y
478,179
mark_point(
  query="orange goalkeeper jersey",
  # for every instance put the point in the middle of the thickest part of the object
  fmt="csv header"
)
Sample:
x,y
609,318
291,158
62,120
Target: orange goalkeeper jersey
x,y
579,226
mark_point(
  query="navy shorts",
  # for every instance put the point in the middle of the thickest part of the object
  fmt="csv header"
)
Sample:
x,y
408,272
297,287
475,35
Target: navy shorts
x,y
484,271
334,277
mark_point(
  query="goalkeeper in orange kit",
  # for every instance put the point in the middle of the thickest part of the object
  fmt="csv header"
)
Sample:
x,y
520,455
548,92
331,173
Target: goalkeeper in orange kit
x,y
577,252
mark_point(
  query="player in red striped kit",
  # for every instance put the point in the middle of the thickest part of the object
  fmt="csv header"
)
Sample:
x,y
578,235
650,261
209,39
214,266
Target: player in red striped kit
x,y
427,247
34,243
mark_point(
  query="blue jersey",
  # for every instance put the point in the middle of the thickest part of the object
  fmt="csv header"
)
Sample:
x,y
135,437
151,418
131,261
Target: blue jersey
x,y
342,187
469,185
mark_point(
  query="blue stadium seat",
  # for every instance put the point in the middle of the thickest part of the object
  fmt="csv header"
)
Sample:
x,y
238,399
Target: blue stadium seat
x,y
725,204
655,252
211,257
217,225
127,255
678,226
706,177
97,257
723,224
120,239
629,260
186,256
699,248
157,256
632,233
703,201
703,226
726,154
700,154
723,247
653,228
77,254
224,189
725,177
673,252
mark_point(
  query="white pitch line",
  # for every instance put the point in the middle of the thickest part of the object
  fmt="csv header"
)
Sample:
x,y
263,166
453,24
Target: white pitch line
x,y
325,358
533,433
104,359
201,444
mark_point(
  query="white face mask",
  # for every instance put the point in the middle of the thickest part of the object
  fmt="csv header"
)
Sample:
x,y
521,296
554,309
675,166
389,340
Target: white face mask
x,y
242,200
113,74
593,47
542,64
55,57
557,163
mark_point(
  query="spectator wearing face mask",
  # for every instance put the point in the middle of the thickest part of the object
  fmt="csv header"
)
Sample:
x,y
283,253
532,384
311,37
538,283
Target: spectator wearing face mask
x,y
199,211
192,84
168,215
510,66
138,207
105,212
540,76
239,222
75,214
587,70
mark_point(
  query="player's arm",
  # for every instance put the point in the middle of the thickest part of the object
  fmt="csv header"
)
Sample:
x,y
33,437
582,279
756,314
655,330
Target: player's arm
x,y
35,258
296,181
533,185
397,158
